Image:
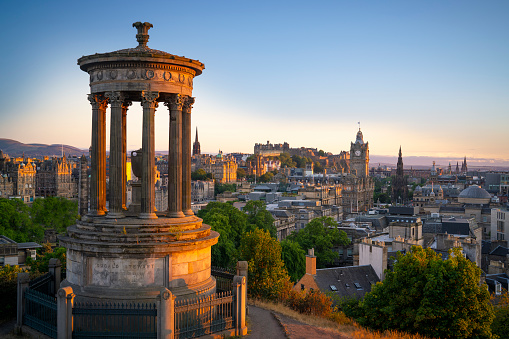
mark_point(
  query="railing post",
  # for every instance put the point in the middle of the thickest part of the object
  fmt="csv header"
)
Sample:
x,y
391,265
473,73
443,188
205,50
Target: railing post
x,y
23,282
55,268
239,290
242,271
65,301
165,315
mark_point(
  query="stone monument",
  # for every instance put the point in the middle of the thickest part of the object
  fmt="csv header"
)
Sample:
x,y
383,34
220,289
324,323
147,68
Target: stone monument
x,y
124,254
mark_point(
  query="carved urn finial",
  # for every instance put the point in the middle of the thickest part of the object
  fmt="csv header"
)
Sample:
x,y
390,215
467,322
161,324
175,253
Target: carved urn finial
x,y
142,36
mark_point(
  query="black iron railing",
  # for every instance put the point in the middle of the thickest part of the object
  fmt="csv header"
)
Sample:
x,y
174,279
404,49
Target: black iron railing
x,y
40,312
110,320
198,317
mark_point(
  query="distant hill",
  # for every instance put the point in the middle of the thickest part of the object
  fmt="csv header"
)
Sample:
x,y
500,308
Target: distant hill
x,y
15,149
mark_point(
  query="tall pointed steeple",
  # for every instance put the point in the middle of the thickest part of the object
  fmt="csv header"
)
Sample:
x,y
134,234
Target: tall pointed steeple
x,y
196,144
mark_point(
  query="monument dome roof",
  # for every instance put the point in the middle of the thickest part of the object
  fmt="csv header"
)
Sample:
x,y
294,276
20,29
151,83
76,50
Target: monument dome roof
x,y
474,192
141,53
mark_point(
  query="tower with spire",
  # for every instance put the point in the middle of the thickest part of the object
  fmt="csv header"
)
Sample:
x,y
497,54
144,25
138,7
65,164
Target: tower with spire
x,y
399,183
196,144
464,166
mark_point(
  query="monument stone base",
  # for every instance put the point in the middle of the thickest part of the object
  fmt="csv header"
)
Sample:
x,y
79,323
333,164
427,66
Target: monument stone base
x,y
130,259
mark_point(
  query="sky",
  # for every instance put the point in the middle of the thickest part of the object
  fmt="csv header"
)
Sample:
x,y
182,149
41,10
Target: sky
x,y
429,76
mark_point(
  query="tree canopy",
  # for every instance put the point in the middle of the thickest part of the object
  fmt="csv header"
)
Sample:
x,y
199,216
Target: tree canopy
x,y
294,258
53,212
428,295
200,174
267,273
232,224
322,235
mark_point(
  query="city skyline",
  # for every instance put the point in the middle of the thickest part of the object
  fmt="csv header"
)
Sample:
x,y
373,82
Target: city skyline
x,y
431,77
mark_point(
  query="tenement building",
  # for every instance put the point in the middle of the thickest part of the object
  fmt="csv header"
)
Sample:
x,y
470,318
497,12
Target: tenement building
x,y
131,254
17,178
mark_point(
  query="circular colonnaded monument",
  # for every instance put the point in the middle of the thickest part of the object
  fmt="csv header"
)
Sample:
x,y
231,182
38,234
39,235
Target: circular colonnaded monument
x,y
129,254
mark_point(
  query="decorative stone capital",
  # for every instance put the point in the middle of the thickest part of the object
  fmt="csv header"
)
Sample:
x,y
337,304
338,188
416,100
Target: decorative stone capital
x,y
142,36
98,101
115,98
125,106
148,99
174,102
188,104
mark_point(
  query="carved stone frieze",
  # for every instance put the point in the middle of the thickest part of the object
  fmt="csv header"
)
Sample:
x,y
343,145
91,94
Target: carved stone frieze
x,y
176,75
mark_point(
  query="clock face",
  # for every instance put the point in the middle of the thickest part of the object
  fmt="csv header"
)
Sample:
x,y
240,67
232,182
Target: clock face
x,y
357,153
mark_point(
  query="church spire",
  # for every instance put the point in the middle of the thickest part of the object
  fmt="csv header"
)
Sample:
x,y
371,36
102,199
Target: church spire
x,y
196,144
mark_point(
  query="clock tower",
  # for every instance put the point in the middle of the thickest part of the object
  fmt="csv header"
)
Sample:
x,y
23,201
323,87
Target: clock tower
x,y
359,156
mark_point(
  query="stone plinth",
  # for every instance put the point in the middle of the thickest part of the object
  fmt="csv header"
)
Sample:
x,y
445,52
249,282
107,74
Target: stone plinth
x,y
131,259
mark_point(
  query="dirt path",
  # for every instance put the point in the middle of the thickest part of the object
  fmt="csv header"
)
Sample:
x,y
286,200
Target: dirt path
x,y
263,325
296,330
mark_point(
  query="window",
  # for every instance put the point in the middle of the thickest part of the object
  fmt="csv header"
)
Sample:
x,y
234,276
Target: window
x,y
347,285
333,288
302,287
358,286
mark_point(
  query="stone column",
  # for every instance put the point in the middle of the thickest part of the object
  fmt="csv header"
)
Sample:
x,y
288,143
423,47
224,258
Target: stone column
x,y
240,290
23,283
186,156
125,106
149,103
98,156
166,315
55,268
116,156
175,103
65,302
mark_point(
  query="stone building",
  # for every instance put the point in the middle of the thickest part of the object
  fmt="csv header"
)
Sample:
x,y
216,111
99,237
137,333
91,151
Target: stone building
x,y
202,190
358,186
55,178
223,168
17,178
269,149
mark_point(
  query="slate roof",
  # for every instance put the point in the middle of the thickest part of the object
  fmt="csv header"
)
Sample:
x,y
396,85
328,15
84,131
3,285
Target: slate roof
x,y
28,245
502,278
351,281
500,251
459,228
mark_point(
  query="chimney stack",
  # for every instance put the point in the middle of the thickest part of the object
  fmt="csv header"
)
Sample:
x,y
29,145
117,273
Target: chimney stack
x,y
311,262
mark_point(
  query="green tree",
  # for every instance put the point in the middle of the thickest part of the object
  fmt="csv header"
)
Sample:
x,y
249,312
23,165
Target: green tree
x,y
15,222
322,235
318,168
321,153
259,217
286,160
294,258
41,264
220,188
300,161
200,174
268,278
51,212
430,296
500,325
266,177
231,225
241,173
